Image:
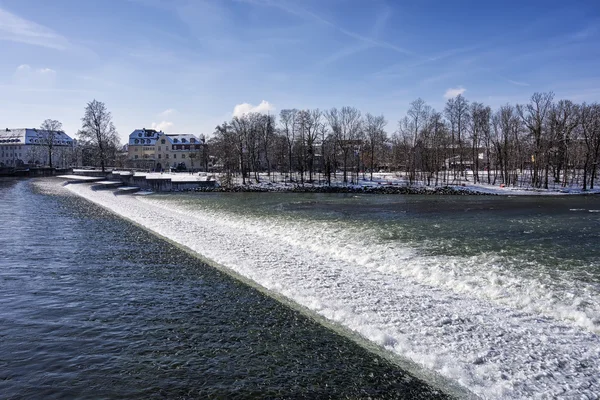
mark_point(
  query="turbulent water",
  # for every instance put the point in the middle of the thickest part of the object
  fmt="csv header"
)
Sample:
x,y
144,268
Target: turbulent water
x,y
92,306
499,295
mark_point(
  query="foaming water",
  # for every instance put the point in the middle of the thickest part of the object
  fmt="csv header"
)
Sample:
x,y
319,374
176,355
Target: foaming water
x,y
501,299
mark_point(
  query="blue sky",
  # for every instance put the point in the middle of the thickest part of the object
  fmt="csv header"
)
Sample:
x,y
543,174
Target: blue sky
x,y
184,65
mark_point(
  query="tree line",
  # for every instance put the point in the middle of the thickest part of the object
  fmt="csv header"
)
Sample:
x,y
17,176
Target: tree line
x,y
536,144
539,143
98,142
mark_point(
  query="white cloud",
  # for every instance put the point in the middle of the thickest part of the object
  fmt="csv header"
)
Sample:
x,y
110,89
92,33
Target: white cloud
x,y
518,83
46,71
27,76
162,126
453,92
167,112
17,29
245,108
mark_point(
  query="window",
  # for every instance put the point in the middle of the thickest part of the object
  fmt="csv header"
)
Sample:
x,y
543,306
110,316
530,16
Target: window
x,y
175,141
140,134
136,156
183,156
174,155
166,156
137,141
163,141
159,156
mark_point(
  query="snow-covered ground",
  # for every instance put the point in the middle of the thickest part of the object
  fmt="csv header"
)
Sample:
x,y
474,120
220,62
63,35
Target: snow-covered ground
x,y
505,338
280,182
173,176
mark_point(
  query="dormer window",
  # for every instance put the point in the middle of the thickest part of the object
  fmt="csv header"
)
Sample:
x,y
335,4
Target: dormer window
x,y
175,141
182,140
137,141
140,134
163,141
192,140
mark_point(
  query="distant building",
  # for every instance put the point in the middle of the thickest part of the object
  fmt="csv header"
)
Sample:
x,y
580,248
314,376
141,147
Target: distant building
x,y
141,150
156,150
29,147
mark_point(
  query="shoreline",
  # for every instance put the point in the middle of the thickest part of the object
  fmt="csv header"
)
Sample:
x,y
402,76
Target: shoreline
x,y
390,189
406,190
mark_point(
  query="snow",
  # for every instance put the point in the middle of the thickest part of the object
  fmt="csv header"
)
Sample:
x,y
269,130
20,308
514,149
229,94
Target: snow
x,y
280,182
465,318
80,177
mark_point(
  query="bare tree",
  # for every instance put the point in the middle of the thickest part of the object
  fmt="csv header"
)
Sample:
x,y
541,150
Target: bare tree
x,y
49,129
416,119
480,125
534,117
590,128
98,130
345,125
564,118
240,128
375,136
457,112
287,119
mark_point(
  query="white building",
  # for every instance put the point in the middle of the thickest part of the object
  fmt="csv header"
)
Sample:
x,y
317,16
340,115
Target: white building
x,y
20,147
156,150
140,148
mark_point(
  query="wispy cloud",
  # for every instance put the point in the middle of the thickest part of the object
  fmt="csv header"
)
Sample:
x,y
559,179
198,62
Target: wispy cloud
x,y
292,8
453,92
343,53
518,83
585,33
16,29
25,74
167,112
162,126
246,108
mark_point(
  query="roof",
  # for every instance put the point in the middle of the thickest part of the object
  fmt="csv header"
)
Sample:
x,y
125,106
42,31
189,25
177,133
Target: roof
x,y
182,138
33,136
144,137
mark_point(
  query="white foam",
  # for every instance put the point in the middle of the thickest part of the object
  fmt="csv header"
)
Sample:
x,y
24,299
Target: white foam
x,y
467,318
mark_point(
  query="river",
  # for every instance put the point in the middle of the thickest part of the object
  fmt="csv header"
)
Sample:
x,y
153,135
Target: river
x,y
93,306
499,296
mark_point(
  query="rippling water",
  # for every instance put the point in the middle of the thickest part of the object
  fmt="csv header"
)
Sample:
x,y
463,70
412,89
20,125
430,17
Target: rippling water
x,y
498,295
92,306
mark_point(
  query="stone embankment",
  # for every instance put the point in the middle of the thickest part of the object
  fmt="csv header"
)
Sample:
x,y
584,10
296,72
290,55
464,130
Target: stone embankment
x,y
440,190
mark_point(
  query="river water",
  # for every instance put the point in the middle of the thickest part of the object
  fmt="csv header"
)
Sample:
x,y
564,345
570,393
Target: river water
x,y
92,306
497,295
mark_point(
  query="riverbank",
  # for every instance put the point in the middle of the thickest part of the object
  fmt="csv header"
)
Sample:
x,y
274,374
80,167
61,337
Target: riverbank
x,y
353,189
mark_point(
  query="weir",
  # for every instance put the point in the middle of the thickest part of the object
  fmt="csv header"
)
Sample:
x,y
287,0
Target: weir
x,y
413,308
156,182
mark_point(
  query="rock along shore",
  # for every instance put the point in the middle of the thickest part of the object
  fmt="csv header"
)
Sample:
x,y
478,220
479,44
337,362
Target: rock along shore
x,y
440,190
